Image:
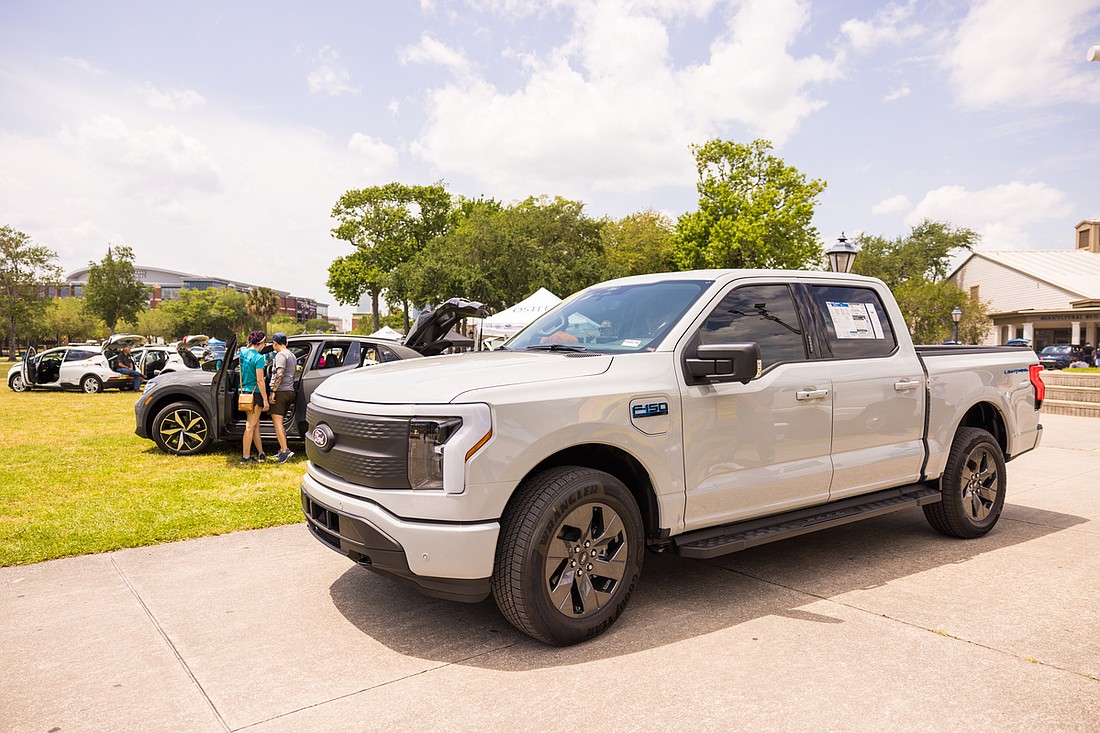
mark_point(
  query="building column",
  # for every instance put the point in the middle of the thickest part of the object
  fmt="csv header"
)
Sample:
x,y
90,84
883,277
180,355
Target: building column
x,y
1075,332
1029,332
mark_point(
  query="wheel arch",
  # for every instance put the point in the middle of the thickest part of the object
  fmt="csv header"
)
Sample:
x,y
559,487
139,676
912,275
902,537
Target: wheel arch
x,y
988,417
153,409
620,464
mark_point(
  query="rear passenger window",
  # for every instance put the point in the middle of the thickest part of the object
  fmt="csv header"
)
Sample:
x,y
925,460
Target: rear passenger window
x,y
856,322
765,314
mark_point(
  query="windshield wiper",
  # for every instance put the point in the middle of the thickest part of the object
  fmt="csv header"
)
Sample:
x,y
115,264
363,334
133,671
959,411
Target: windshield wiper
x,y
555,347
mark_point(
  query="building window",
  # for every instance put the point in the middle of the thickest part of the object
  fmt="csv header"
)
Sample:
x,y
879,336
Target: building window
x,y
1083,239
974,293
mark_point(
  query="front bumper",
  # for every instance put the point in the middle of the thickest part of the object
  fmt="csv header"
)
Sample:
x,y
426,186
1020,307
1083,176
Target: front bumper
x,y
452,561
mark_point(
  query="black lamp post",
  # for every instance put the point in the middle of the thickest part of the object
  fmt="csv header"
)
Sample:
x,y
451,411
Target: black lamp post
x,y
956,316
842,255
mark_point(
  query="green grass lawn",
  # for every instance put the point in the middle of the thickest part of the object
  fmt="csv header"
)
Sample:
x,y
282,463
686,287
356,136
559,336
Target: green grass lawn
x,y
74,479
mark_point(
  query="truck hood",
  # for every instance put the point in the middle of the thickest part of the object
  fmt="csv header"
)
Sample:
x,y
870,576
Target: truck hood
x,y
442,379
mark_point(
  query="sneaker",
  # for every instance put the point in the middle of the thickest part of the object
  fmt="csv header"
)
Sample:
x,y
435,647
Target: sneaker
x,y
260,458
246,459
283,456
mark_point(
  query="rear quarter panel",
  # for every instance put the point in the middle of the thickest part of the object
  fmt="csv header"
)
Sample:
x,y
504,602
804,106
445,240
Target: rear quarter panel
x,y
959,378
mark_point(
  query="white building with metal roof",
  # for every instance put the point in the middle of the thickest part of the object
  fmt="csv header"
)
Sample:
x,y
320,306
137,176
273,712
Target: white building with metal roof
x,y
1049,297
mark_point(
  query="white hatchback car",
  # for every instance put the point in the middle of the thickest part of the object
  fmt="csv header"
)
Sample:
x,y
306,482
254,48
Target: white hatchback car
x,y
87,368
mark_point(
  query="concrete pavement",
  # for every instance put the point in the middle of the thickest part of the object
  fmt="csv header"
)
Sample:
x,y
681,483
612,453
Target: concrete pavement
x,y
880,625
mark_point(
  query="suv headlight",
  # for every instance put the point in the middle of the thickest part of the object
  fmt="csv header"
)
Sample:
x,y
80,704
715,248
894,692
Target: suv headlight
x,y
427,439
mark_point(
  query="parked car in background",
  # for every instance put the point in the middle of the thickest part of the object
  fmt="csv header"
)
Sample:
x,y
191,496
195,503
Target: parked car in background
x,y
80,366
184,411
190,353
1057,356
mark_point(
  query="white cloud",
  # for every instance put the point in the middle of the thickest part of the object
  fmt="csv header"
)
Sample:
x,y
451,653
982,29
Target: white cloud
x,y
378,157
889,25
83,65
892,205
1001,214
896,94
430,51
172,99
1019,52
328,75
152,163
608,108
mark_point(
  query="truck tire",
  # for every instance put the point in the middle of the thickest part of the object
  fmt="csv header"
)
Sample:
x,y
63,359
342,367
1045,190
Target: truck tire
x,y
972,485
569,555
181,429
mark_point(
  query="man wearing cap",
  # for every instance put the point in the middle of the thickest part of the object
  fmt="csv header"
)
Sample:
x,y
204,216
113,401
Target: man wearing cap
x,y
282,387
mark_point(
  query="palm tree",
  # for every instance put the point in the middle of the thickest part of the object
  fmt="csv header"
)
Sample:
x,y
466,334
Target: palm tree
x,y
262,303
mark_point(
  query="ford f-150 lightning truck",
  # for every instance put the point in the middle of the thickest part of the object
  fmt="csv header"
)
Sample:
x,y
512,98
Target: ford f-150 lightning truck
x,y
698,413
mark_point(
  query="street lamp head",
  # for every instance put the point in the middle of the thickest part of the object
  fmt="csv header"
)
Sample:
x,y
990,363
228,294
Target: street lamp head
x,y
957,314
842,255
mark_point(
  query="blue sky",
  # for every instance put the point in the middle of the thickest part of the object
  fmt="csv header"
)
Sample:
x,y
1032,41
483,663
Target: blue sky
x,y
214,137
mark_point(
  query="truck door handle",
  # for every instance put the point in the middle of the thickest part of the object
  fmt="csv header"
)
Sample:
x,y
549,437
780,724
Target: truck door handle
x,y
905,385
811,394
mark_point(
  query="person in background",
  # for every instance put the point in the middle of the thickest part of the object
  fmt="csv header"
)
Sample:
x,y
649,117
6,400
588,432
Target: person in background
x,y
124,364
282,389
252,381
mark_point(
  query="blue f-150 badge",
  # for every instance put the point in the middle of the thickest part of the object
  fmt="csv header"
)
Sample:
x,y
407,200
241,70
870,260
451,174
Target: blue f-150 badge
x,y
652,409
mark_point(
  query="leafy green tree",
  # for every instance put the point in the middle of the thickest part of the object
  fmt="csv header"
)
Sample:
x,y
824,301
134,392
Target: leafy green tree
x,y
638,244
755,211
387,225
157,323
217,312
67,319
113,292
262,303
313,325
26,269
287,325
915,267
500,255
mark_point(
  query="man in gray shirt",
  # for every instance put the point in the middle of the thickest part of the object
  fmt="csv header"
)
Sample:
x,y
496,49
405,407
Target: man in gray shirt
x,y
282,387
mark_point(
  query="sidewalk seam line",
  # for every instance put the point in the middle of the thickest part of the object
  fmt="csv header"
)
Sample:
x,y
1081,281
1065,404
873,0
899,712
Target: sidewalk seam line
x,y
912,625
164,635
374,687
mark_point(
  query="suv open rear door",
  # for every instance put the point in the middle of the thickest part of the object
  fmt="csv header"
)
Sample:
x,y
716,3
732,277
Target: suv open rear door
x,y
224,390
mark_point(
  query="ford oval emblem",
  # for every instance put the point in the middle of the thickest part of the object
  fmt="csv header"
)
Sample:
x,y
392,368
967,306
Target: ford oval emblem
x,y
322,437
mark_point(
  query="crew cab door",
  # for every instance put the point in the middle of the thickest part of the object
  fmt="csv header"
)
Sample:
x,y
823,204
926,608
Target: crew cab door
x,y
878,390
762,447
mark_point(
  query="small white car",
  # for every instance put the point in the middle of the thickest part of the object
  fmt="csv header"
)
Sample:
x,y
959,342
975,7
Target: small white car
x,y
83,367
154,359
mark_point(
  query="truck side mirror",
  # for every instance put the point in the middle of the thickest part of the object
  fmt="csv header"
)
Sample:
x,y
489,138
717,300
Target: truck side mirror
x,y
723,363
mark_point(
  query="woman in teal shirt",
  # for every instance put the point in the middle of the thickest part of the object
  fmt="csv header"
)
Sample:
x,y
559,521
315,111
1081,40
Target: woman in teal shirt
x,y
252,381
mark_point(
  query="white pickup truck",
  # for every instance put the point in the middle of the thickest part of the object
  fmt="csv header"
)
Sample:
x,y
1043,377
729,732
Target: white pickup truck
x,y
699,413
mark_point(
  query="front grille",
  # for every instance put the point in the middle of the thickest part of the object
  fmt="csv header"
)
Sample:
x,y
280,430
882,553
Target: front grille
x,y
367,450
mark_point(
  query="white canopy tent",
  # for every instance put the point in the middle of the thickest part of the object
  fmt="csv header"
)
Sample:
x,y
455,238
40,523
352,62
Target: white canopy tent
x,y
512,320
388,333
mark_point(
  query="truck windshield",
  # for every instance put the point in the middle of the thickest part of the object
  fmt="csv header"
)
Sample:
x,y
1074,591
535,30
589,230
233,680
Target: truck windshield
x,y
612,319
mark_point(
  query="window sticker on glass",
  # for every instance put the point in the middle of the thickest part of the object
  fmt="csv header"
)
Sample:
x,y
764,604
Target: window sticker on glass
x,y
855,320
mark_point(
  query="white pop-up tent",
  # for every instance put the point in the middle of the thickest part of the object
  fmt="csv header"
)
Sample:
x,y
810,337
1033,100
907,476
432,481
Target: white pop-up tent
x,y
388,333
511,320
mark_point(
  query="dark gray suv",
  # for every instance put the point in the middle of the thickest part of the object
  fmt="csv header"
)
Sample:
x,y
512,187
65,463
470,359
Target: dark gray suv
x,y
182,412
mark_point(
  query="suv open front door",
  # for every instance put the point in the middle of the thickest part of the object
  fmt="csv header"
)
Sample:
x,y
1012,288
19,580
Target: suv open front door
x,y
226,383
30,367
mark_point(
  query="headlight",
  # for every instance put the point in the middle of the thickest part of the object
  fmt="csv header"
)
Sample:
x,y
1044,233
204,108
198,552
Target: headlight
x,y
427,437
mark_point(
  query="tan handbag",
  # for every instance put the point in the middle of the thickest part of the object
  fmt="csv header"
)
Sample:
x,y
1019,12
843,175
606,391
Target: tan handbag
x,y
245,401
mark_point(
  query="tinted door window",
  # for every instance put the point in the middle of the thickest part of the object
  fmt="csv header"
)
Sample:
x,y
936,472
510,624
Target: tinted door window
x,y
78,354
855,321
765,314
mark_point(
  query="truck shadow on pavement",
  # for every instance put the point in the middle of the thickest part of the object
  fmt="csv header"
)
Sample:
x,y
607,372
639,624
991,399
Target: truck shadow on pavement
x,y
678,599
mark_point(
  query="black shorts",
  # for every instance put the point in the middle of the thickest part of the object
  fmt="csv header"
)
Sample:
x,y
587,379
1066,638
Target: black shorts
x,y
282,402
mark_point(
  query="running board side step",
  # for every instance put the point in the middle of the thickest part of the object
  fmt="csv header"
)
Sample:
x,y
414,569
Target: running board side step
x,y
714,541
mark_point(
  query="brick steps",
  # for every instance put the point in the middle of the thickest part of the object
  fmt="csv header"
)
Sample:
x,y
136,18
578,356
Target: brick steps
x,y
1072,394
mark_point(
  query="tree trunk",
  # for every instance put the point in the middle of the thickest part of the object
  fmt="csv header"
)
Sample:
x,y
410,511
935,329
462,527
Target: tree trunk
x,y
374,309
11,338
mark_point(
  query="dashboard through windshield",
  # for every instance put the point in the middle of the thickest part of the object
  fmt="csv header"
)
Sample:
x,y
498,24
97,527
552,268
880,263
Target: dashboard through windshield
x,y
612,320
